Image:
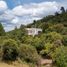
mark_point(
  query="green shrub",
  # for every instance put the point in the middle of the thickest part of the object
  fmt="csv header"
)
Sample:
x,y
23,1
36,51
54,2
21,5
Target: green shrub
x,y
38,44
27,39
65,40
56,28
60,56
48,50
51,37
10,50
28,53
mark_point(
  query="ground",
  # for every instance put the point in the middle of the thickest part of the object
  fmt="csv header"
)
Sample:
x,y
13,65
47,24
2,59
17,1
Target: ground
x,y
44,63
15,64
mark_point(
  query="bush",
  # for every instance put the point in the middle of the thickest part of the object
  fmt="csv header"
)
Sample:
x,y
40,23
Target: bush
x,y
52,37
56,28
27,39
28,53
38,44
65,40
60,56
48,50
10,50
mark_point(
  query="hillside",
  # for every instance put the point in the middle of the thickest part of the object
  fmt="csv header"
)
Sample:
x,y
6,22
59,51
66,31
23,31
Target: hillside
x,y
47,48
56,21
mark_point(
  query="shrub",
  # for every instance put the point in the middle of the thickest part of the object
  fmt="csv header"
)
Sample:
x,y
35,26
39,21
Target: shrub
x,y
52,37
48,50
38,44
27,39
56,27
28,53
65,40
10,50
60,56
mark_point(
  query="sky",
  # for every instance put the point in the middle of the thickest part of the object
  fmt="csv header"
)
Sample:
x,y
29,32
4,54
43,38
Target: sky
x,y
16,12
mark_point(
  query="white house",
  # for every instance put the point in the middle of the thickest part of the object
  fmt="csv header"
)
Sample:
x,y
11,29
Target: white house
x,y
33,31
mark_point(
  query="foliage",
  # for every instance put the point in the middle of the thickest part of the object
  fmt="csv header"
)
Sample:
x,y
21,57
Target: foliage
x,y
65,40
28,53
48,50
2,31
10,50
51,37
60,56
56,28
38,44
50,23
27,39
48,43
17,34
62,9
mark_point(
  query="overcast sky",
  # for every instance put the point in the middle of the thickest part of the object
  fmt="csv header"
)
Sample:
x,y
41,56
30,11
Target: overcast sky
x,y
16,12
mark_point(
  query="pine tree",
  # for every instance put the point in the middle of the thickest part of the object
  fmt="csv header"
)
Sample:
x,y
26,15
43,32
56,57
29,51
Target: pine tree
x,y
62,9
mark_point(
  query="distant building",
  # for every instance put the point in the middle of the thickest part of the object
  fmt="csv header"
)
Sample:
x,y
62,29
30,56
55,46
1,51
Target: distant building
x,y
33,31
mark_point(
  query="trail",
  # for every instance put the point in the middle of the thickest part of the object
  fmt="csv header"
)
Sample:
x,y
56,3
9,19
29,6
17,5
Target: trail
x,y
46,62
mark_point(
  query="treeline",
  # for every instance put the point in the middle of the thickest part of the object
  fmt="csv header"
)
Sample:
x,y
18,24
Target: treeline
x,y
51,43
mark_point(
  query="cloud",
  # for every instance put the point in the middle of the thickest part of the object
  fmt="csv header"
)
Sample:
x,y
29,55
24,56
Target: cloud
x,y
24,14
35,9
3,6
28,12
15,20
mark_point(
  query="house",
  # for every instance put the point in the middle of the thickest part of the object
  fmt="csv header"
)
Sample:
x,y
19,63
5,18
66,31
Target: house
x,y
33,31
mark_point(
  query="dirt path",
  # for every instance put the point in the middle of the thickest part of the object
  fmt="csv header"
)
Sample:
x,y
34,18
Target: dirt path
x,y
46,62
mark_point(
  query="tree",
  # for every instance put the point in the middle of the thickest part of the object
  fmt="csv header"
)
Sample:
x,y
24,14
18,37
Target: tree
x,y
22,27
56,13
62,9
2,31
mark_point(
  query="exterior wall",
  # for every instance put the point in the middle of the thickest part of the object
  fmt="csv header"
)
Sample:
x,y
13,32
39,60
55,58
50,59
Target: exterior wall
x,y
33,31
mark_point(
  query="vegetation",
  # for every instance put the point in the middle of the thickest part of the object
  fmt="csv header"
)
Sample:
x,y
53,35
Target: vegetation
x,y
10,50
51,43
2,31
60,56
28,53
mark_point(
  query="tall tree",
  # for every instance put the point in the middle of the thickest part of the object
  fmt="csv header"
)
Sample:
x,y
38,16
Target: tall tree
x,y
62,9
2,31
